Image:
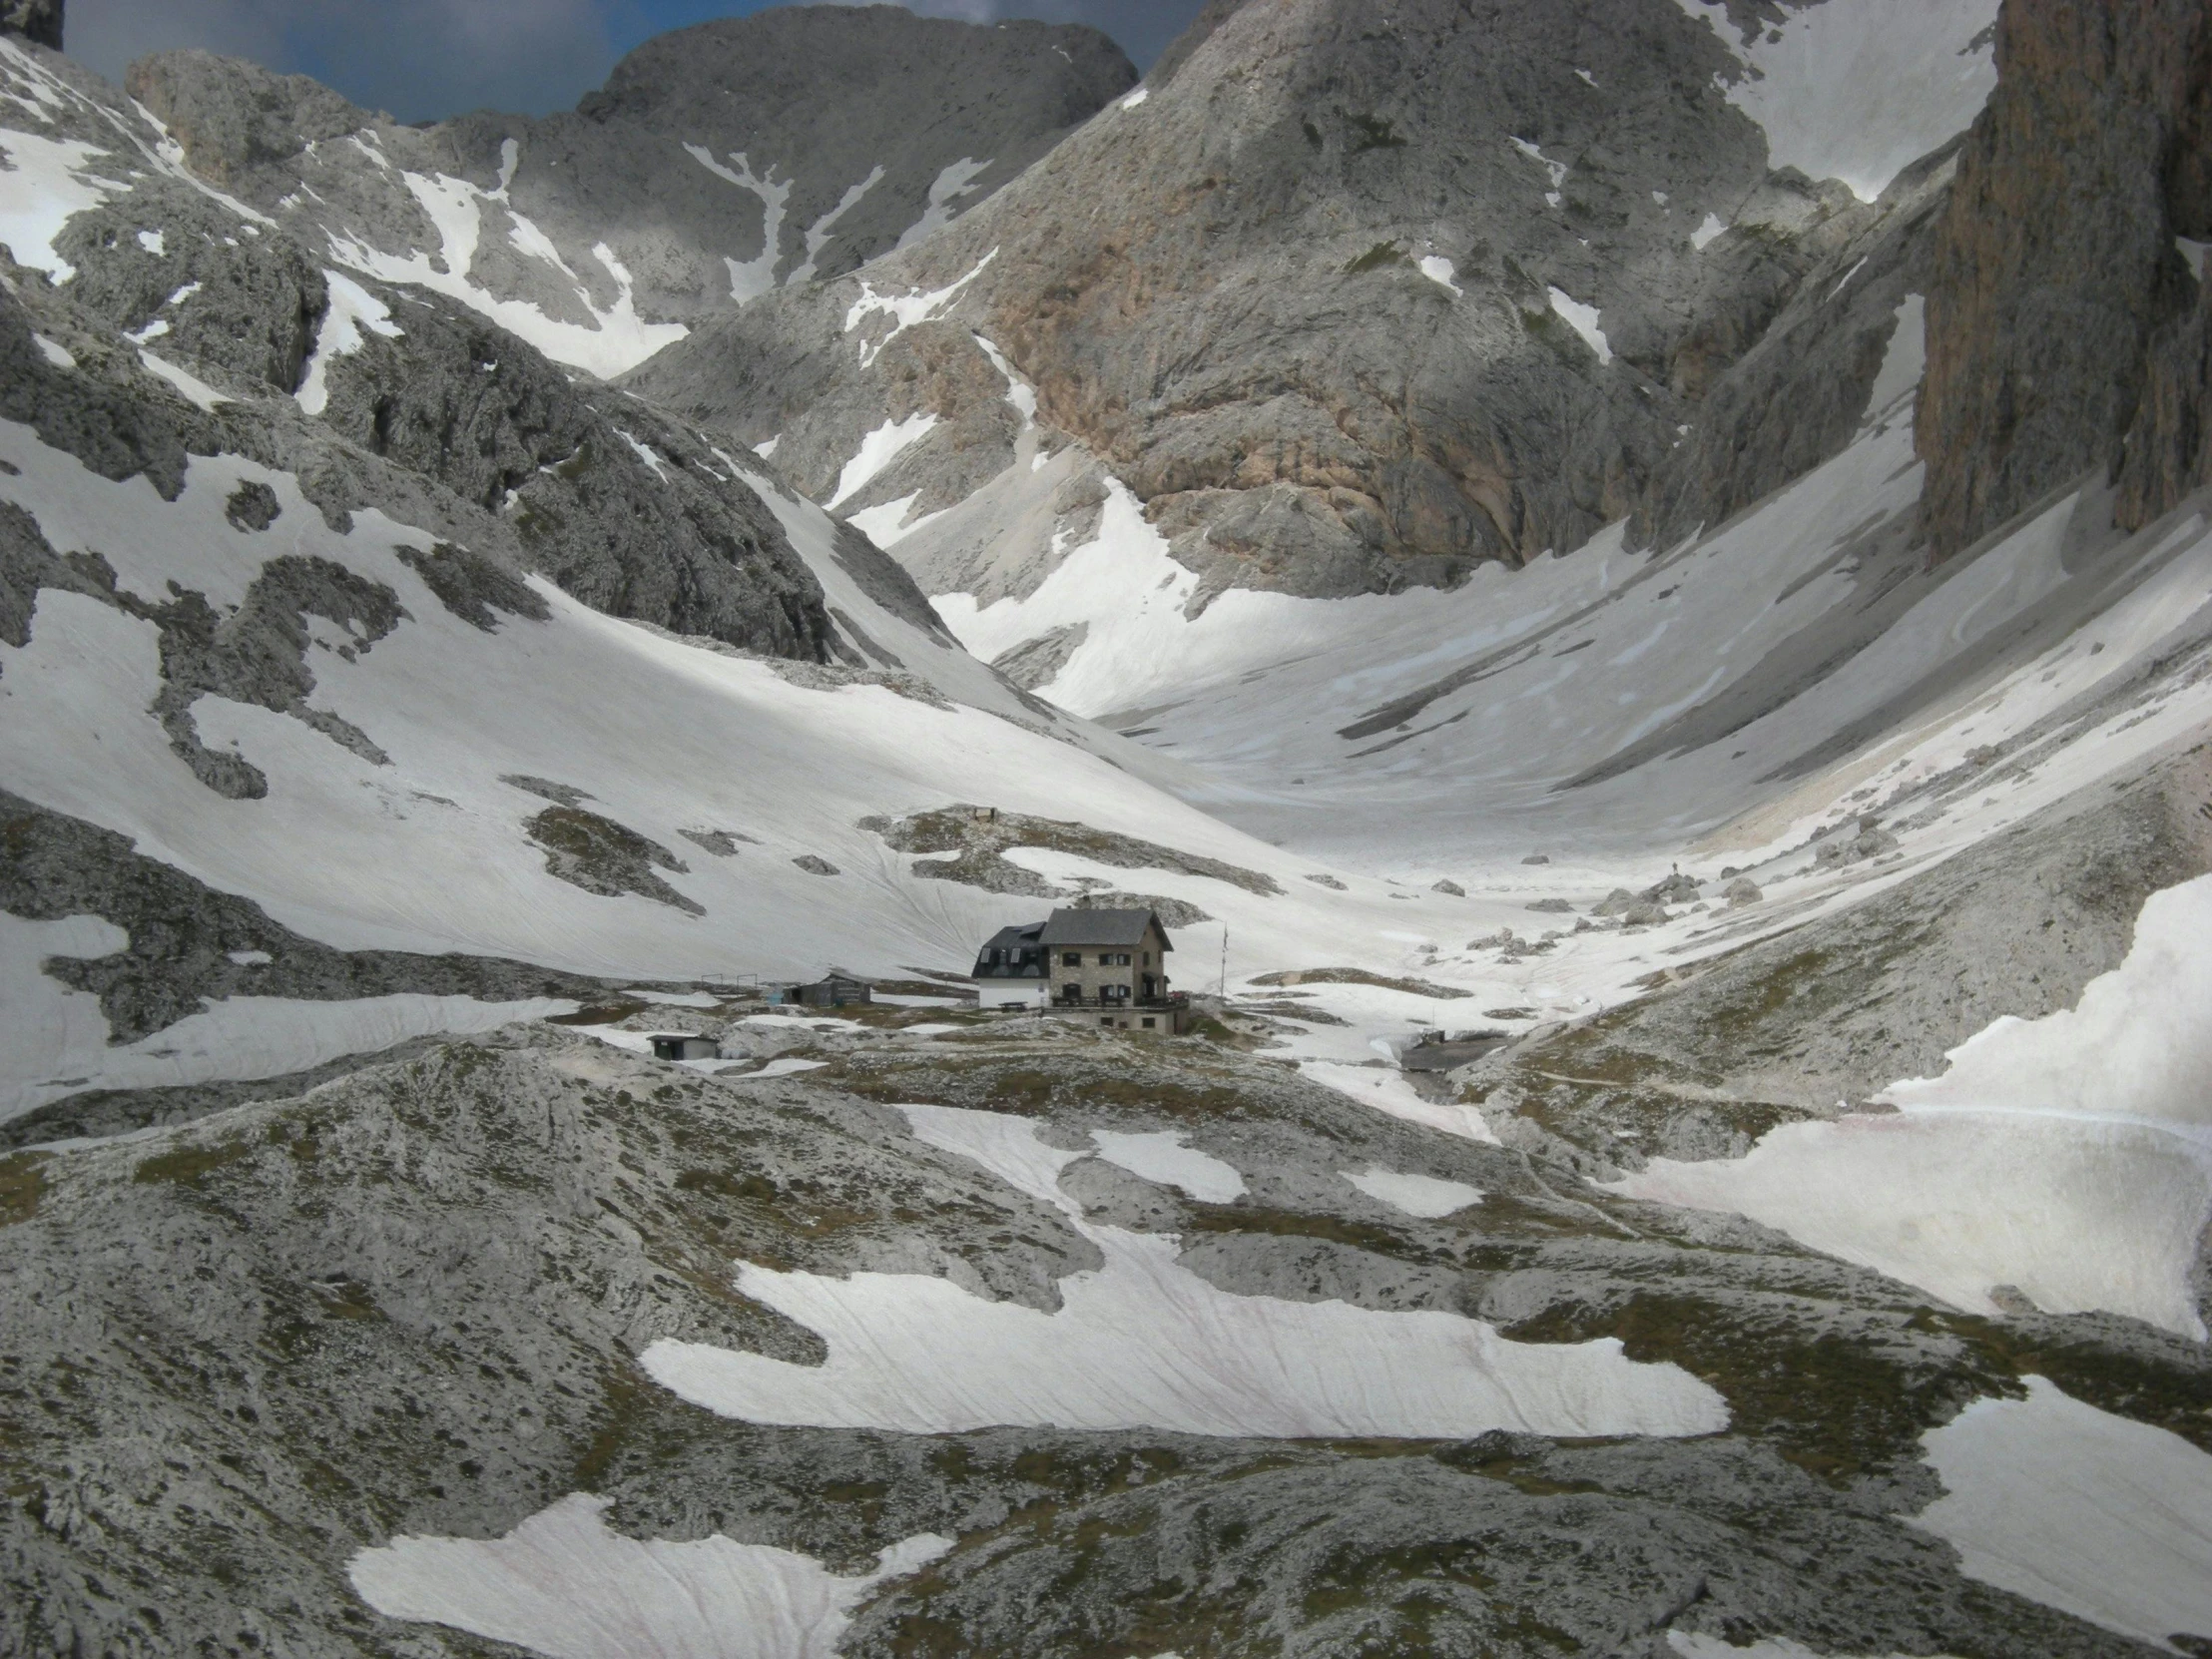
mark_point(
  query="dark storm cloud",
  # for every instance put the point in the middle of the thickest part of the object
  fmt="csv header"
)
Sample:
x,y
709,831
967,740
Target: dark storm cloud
x,y
421,59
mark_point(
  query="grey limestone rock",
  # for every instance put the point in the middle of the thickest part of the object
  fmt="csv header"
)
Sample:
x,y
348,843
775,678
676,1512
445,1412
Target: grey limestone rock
x,y
39,20
2055,265
717,164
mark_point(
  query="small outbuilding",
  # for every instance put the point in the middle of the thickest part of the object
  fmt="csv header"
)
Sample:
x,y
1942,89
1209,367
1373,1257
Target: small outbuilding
x,y
835,991
684,1045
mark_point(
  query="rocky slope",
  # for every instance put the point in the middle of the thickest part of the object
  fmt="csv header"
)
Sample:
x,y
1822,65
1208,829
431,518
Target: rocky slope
x,y
1386,301
718,164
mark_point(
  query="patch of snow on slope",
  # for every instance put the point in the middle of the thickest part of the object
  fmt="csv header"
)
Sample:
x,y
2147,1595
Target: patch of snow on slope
x,y
1859,91
877,451
2136,1045
1145,1343
1692,1646
563,1584
904,311
47,183
822,229
1556,171
1713,226
1122,584
2101,1517
1424,1196
2068,1157
750,279
1903,366
617,339
952,183
645,453
885,525
1388,1090
195,389
57,1037
1134,99
153,242
1162,1157
1439,270
53,351
1583,320
351,308
1020,393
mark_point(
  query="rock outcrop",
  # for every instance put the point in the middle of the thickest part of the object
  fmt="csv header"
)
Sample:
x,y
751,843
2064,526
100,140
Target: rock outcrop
x,y
39,20
2063,322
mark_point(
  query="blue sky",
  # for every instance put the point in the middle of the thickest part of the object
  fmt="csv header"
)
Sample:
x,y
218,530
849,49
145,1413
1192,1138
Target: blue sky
x,y
421,59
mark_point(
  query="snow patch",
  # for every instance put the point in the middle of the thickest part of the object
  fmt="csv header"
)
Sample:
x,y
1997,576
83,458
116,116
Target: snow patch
x,y
750,279
191,385
153,242
1387,1089
564,1584
616,338
2068,1158
822,229
1439,269
54,353
1424,1196
352,310
58,1037
877,451
2138,1045
1144,1343
47,183
904,311
1161,1157
2093,1514
1713,226
1903,364
952,183
1134,99
1583,320
645,453
1020,393
1859,92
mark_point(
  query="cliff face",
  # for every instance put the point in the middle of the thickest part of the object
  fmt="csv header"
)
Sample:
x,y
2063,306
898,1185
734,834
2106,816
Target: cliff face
x,y
39,20
2065,329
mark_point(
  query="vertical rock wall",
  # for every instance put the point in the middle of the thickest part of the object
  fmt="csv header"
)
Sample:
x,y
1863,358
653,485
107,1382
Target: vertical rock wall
x,y
2061,306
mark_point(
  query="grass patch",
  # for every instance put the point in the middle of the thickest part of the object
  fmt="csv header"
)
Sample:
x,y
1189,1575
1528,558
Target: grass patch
x,y
22,1184
188,1166
1837,1405
1379,258
1375,133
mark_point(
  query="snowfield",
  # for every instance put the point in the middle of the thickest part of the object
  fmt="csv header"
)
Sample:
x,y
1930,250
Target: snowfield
x,y
2068,1158
2056,1501
563,1584
1145,1343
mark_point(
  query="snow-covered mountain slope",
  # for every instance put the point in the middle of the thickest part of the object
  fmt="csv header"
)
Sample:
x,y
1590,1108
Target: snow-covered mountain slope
x,y
718,164
397,729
